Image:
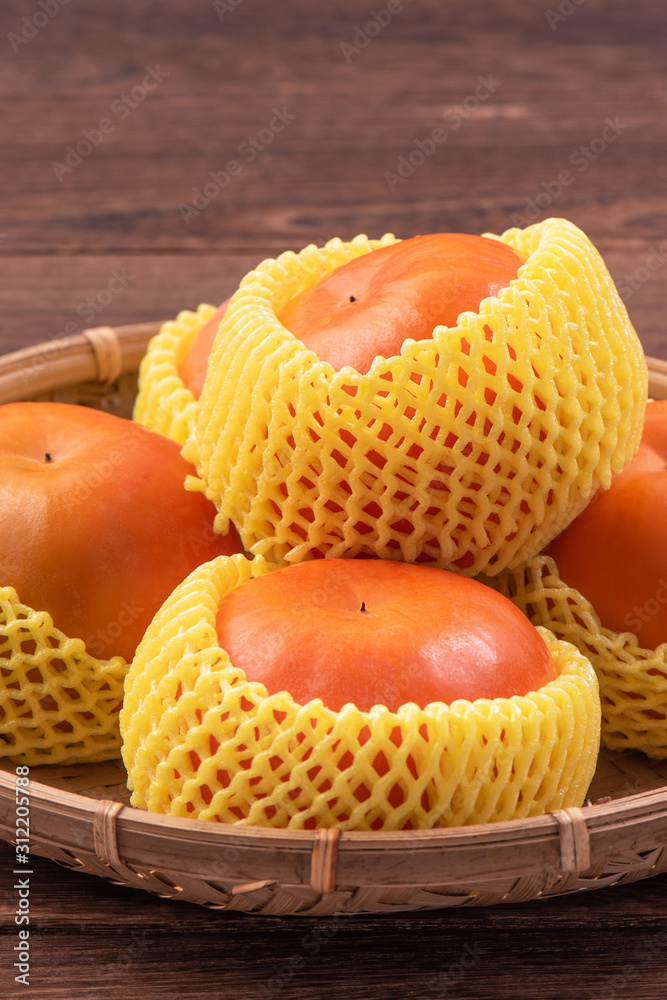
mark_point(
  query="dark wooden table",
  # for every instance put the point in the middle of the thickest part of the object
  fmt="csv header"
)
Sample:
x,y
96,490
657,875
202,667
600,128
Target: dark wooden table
x,y
151,154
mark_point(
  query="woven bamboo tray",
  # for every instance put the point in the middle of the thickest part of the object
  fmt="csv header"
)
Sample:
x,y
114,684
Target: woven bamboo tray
x,y
80,815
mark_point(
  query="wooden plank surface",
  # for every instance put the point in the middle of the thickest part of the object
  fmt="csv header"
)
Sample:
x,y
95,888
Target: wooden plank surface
x,y
94,940
519,104
546,109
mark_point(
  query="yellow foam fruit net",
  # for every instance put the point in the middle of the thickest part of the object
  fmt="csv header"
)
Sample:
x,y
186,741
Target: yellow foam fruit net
x,y
58,704
470,450
633,680
202,741
164,403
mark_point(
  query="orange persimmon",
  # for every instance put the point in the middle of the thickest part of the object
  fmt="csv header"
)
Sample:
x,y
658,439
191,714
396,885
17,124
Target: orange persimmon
x,y
370,631
97,528
615,552
371,305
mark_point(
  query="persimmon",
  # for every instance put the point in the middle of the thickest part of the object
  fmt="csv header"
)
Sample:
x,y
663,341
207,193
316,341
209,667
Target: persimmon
x,y
96,526
470,448
192,368
372,304
615,552
369,306
374,632
297,750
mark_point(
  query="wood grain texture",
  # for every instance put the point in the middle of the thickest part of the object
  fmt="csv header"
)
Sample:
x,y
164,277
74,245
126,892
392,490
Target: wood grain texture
x,y
354,113
91,939
358,114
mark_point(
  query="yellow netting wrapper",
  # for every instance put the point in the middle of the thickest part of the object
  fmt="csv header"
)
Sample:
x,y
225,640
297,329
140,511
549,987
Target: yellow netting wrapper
x,y
58,704
470,451
164,403
633,681
201,741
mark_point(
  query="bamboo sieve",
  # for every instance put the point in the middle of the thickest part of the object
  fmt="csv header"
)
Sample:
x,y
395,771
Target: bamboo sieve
x,y
80,816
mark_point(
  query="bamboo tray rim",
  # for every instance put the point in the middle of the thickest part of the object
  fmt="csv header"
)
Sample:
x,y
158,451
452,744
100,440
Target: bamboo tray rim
x,y
437,857
571,848
629,808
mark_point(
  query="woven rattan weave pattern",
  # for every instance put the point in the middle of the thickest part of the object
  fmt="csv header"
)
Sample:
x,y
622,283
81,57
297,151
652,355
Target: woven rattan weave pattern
x,y
80,819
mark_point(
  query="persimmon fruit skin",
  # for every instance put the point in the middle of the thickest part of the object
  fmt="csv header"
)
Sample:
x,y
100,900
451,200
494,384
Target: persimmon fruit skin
x,y
615,552
371,305
97,528
192,368
372,632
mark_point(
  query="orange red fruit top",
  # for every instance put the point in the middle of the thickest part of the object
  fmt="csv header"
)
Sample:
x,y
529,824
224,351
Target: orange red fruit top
x,y
370,631
369,306
96,526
